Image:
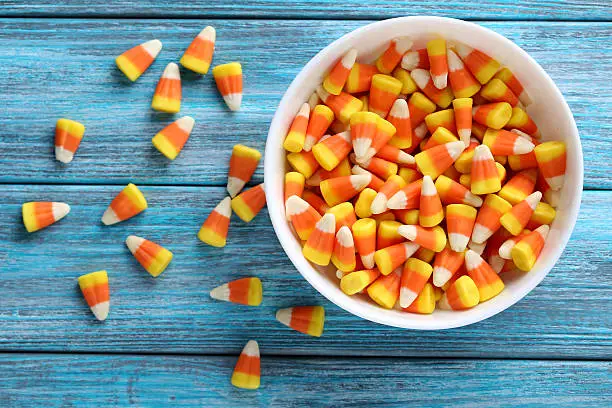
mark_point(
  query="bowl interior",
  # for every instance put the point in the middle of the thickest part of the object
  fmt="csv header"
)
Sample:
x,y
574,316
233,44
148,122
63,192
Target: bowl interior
x,y
549,110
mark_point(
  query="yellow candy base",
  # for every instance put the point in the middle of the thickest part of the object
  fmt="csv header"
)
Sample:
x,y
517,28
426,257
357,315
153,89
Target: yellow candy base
x,y
331,88
136,197
128,69
315,328
485,186
467,92
29,219
315,256
211,238
490,291
509,222
161,262
242,210
523,257
383,262
325,157
432,220
194,64
294,142
164,146
246,381
382,297
164,104
353,106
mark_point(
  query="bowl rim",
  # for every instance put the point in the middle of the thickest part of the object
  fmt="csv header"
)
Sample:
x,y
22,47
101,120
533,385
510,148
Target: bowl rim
x,y
282,229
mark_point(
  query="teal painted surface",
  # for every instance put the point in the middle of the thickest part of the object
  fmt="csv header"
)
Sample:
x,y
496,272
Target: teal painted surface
x,y
552,348
200,381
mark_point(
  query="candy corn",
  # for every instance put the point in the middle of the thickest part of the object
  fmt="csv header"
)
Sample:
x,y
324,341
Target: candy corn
x,y
504,143
438,65
153,257
343,105
68,136
527,250
384,90
341,189
363,131
463,84
315,201
364,234
520,120
487,220
441,97
302,215
494,115
384,132
517,218
497,91
480,64
505,249
94,287
399,117
245,291
452,192
228,78
519,186
408,84
462,294
425,303
364,203
344,213
446,264
408,174
332,150
415,59
135,61
543,214
242,165
320,244
128,203
360,78
393,54
389,258
419,107
415,275
321,118
460,220
199,54
435,161
214,230
304,162
167,96
463,118
395,155
385,290
388,190
488,283
296,137
430,238
355,282
551,157
387,234
379,167
248,204
247,373
40,214
305,319
171,139
335,80
508,78
439,137
444,118
343,255
408,198
430,206
485,179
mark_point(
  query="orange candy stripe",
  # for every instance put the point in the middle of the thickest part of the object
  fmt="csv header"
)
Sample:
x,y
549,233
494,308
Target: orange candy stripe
x,y
96,294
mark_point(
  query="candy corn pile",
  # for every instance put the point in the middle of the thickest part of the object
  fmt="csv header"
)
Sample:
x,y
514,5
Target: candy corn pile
x,y
130,201
421,177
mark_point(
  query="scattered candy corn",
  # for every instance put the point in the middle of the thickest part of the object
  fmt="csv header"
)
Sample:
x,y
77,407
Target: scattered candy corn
x,y
128,203
68,136
249,203
171,139
247,373
214,229
94,287
199,54
40,214
153,257
135,61
229,83
243,163
305,319
167,96
245,291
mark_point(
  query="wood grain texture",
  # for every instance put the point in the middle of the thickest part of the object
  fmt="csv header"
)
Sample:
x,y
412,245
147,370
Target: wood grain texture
x,y
323,9
41,308
189,381
64,67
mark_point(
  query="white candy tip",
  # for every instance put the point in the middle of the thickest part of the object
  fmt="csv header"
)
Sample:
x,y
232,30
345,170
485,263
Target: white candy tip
x,y
208,33
224,207
109,217
133,242
359,181
60,210
101,310
323,94
234,185
220,292
344,236
406,297
472,259
473,200
543,230
533,199
455,148
465,135
440,81
505,250
295,205
428,188
368,260
304,110
410,60
171,71
441,275
454,62
63,155
482,153
284,316
463,50
251,349
405,158
408,231
421,77
233,101
379,204
348,60
153,47
397,201
480,233
403,44
327,224
400,109
186,123
458,242
523,146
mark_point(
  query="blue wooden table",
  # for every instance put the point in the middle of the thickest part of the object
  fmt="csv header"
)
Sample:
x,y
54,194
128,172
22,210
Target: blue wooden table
x,y
166,341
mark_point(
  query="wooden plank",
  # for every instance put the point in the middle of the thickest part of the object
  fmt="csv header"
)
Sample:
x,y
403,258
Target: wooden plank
x,y
42,309
112,380
65,67
321,9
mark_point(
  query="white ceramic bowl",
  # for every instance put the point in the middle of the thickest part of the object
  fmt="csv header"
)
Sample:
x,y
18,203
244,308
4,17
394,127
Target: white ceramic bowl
x,y
549,110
